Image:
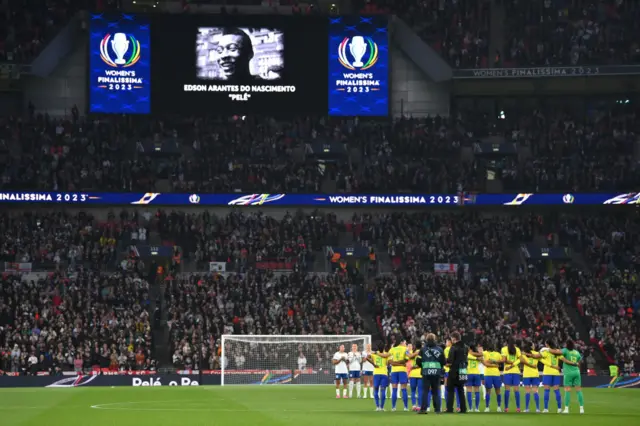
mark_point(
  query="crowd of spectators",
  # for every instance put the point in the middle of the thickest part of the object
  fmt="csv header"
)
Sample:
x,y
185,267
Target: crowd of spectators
x,y
489,309
610,306
59,239
75,322
416,241
203,308
571,33
459,30
606,294
73,319
26,26
533,33
245,239
569,151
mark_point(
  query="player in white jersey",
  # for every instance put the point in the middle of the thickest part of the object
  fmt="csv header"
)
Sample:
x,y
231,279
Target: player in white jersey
x,y
367,372
355,366
484,390
339,362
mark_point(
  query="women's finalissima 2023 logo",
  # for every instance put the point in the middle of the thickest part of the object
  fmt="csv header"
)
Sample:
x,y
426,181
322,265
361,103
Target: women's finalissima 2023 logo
x,y
361,48
121,45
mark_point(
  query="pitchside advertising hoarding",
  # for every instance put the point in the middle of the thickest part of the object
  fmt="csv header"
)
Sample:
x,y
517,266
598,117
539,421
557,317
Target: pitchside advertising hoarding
x,y
239,64
300,200
214,378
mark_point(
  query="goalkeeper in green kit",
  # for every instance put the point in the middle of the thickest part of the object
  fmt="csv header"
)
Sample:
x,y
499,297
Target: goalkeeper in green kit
x,y
571,372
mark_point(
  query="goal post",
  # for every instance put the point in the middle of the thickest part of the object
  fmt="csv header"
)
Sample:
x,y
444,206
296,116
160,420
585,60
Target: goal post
x,y
282,359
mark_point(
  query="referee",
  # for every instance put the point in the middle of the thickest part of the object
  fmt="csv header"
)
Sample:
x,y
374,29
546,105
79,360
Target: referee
x,y
431,360
457,373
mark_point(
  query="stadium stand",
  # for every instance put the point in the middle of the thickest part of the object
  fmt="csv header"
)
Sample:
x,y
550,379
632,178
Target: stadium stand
x,y
27,27
561,33
78,322
205,307
97,306
196,155
408,304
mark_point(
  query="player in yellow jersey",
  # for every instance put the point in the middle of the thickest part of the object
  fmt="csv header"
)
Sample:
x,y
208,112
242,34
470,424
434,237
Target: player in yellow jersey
x,y
399,358
379,360
474,377
511,358
492,359
551,375
415,379
444,389
530,376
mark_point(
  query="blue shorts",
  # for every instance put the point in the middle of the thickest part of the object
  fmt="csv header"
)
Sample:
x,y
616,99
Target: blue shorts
x,y
354,374
531,381
399,377
474,380
446,374
415,382
511,379
551,380
493,382
342,376
367,373
380,381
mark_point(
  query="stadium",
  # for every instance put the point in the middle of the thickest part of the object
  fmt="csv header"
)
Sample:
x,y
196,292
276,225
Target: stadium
x,y
376,211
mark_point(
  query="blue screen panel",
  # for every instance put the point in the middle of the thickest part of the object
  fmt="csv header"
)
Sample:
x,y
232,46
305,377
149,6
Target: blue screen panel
x,y
358,66
119,64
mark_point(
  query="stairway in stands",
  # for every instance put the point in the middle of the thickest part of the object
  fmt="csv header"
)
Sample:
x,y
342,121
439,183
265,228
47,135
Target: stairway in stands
x,y
160,328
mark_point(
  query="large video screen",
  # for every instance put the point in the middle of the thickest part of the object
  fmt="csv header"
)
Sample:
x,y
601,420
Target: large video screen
x,y
239,64
120,65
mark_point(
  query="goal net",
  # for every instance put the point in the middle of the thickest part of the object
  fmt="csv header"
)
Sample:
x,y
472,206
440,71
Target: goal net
x,y
277,359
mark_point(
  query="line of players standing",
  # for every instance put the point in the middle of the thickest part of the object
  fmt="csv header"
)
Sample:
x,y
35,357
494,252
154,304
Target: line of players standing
x,y
404,364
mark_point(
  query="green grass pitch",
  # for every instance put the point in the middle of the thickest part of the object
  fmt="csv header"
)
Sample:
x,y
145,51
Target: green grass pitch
x,y
277,405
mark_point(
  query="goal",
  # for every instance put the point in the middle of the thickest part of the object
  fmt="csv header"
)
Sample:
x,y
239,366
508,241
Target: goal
x,y
279,359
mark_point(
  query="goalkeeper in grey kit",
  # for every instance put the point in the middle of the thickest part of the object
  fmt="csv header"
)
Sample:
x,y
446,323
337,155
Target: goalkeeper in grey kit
x,y
432,360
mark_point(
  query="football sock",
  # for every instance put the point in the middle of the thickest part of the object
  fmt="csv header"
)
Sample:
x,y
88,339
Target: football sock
x,y
546,398
558,398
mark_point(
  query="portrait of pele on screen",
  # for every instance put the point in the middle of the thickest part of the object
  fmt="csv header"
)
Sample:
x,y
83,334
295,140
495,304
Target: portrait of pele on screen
x,y
239,55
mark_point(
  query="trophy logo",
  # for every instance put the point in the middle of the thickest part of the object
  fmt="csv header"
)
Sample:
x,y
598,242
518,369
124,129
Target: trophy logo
x,y
358,48
363,50
124,47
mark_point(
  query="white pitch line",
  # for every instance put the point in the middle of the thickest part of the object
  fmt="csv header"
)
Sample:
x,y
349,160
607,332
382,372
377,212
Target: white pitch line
x,y
114,406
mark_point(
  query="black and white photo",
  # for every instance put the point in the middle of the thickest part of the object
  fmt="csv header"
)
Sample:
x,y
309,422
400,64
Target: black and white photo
x,y
239,55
